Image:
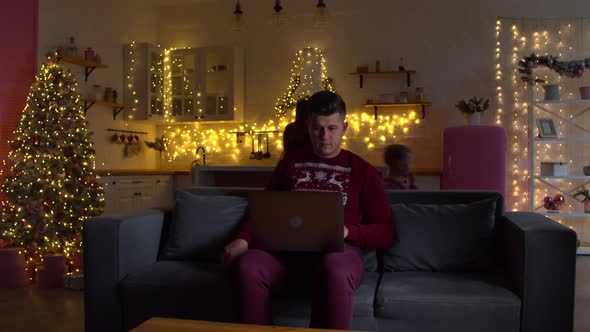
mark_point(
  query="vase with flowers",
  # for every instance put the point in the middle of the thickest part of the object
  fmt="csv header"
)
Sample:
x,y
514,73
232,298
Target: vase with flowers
x,y
472,109
585,193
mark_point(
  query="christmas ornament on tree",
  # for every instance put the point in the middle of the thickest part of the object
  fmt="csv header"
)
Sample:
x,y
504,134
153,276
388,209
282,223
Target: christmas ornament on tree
x,y
50,182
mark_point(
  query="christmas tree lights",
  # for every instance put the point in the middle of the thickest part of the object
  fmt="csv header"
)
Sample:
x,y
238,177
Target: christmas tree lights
x,y
50,183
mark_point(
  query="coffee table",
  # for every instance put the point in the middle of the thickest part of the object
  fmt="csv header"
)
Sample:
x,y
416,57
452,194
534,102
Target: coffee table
x,y
158,324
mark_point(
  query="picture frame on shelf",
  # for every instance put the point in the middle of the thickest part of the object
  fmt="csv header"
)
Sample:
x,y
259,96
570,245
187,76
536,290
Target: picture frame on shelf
x,y
546,128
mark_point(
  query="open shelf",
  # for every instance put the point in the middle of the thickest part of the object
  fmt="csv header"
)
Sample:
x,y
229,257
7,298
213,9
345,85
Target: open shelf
x,y
89,66
568,177
565,214
584,249
117,108
567,101
422,105
563,139
408,74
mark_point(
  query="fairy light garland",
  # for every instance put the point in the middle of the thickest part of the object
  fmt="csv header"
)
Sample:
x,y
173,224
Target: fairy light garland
x,y
541,41
131,80
157,81
181,140
301,82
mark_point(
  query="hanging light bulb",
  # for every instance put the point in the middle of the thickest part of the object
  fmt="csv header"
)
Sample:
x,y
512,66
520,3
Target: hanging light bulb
x,y
278,18
321,15
239,24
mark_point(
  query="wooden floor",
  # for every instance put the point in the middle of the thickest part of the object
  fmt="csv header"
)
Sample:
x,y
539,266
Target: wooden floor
x,y
34,309
57,310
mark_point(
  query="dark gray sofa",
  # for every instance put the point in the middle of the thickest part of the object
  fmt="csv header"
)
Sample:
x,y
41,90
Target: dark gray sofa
x,y
448,271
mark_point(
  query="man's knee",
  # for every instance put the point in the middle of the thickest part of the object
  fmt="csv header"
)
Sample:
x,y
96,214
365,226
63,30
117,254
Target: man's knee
x,y
334,269
249,264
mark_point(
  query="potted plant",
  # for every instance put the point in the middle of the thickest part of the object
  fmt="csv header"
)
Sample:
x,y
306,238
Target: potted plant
x,y
585,193
472,108
159,144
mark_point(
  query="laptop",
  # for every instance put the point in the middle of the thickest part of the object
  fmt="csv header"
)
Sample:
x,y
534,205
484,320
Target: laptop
x,y
305,221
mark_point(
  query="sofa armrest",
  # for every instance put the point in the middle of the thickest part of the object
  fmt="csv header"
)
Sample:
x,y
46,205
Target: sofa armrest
x,y
540,258
113,247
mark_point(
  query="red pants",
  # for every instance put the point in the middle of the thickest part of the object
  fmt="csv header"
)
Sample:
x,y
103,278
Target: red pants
x,y
333,278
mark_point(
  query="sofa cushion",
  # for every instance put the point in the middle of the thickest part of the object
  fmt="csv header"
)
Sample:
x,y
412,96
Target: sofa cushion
x,y
297,303
371,261
293,307
202,226
177,289
441,237
445,302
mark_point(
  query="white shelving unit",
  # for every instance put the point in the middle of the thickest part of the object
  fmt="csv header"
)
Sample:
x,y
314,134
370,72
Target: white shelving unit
x,y
565,185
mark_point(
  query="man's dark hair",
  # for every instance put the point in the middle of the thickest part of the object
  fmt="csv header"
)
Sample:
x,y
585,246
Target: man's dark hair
x,y
395,152
326,103
302,110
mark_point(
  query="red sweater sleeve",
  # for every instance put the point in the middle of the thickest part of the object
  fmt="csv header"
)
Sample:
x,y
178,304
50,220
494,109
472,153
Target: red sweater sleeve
x,y
273,184
377,227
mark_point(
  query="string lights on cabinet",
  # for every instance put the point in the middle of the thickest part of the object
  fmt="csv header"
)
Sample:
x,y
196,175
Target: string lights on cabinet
x,y
182,139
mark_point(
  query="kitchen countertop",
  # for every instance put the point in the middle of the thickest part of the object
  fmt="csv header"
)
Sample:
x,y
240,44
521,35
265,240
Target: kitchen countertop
x,y
118,172
417,171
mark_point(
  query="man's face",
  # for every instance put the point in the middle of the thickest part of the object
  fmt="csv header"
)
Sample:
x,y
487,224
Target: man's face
x,y
326,133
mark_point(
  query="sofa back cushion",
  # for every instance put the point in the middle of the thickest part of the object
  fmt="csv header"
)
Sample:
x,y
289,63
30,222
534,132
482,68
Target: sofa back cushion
x,y
442,237
202,225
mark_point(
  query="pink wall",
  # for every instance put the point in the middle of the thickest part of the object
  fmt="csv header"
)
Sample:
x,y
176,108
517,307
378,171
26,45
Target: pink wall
x,y
18,35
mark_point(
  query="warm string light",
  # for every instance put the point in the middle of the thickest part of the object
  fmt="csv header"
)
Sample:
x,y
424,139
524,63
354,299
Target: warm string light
x,y
303,81
157,81
167,86
542,41
500,100
131,80
50,183
518,111
181,140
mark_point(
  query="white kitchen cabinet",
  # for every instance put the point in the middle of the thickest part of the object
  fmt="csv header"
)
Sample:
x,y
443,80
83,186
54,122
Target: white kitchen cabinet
x,y
163,191
203,84
223,79
109,193
207,84
132,193
143,82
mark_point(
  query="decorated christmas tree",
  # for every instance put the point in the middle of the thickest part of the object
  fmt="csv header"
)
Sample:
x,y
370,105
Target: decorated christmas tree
x,y
50,184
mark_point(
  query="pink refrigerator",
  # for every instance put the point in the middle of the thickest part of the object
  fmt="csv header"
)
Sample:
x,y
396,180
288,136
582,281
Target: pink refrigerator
x,y
474,157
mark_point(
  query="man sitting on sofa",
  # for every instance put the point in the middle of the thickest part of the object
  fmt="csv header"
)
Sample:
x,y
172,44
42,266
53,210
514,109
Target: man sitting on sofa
x,y
368,224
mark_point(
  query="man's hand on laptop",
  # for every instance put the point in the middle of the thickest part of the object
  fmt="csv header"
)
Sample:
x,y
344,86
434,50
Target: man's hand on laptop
x,y
345,231
234,249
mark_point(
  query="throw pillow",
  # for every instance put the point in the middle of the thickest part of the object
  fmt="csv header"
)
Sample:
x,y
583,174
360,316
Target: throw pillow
x,y
441,238
202,226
